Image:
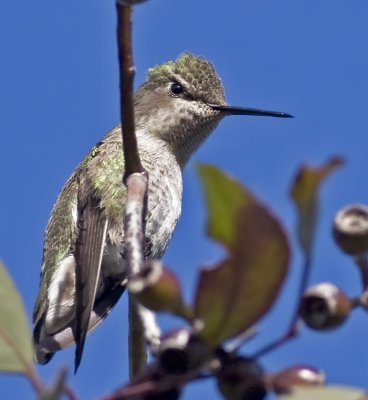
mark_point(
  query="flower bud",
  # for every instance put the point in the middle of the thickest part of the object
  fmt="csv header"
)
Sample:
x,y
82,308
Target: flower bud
x,y
324,307
181,351
241,378
297,375
350,229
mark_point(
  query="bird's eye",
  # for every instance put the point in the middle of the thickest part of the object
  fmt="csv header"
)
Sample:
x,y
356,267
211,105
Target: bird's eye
x,y
176,88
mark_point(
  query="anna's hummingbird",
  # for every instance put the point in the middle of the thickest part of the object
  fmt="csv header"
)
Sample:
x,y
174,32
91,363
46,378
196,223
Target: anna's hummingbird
x,y
176,109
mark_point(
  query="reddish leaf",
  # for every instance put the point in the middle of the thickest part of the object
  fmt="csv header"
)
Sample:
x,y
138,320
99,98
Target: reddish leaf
x,y
304,192
235,294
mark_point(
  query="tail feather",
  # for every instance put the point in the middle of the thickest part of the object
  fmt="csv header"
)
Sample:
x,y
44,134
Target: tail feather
x,y
46,345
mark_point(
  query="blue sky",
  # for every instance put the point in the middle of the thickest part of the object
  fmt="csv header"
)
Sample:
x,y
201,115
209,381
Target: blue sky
x,y
59,95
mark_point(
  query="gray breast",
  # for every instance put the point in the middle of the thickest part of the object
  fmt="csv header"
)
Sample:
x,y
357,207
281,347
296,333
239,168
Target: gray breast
x,y
164,203
163,208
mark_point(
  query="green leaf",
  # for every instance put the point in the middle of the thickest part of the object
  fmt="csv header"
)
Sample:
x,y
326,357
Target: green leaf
x,y
304,192
325,393
225,199
16,353
235,294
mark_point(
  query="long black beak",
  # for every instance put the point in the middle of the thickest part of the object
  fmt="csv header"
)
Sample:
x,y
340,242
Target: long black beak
x,y
233,110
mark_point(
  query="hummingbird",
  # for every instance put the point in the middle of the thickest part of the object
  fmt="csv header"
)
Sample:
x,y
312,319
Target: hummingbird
x,y
83,271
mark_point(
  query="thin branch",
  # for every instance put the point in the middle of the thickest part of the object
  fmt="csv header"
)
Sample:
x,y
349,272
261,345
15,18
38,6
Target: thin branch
x,y
138,356
135,211
155,382
127,72
136,181
362,263
152,331
60,386
129,2
241,339
307,267
134,253
130,391
69,392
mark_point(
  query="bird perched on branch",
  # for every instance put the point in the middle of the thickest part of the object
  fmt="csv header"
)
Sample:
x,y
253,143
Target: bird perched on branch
x,y
83,268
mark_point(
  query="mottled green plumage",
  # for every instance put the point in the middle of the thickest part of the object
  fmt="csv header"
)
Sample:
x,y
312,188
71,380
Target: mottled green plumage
x,y
194,72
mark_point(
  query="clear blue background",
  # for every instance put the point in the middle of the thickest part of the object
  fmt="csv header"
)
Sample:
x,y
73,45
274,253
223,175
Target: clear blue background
x,y
59,95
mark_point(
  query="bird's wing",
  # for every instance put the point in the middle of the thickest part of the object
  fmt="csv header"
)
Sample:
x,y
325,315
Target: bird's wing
x,y
92,227
59,238
104,163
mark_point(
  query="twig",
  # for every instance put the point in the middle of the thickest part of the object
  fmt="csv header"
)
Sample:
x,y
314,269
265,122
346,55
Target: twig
x,y
129,2
134,253
241,339
152,331
136,181
138,357
127,72
69,392
130,391
135,210
60,386
362,263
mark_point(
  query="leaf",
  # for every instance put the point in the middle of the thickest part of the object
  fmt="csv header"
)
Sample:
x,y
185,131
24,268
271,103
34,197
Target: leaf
x,y
304,192
225,199
16,353
231,297
334,392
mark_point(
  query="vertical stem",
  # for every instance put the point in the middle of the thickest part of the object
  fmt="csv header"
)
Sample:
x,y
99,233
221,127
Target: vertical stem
x,y
138,357
362,263
134,252
127,72
137,345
